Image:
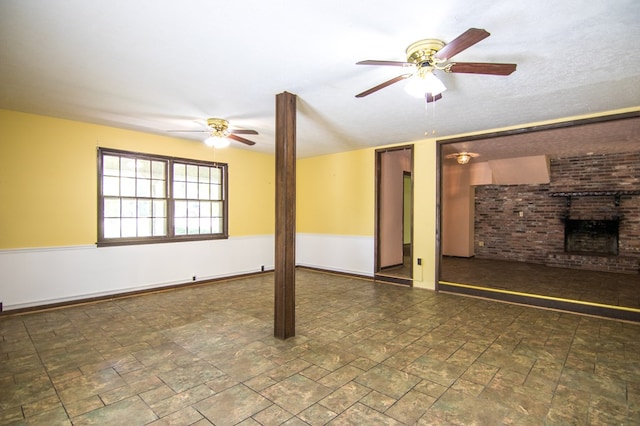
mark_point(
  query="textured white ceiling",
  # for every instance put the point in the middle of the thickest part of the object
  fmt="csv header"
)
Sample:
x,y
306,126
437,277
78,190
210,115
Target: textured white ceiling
x,y
618,135
155,65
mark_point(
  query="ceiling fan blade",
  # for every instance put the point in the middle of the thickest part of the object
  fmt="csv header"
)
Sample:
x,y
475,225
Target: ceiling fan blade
x,y
392,63
188,131
241,139
382,85
242,132
462,42
430,98
481,68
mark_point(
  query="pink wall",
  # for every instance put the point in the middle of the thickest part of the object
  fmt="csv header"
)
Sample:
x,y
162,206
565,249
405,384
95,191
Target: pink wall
x,y
457,211
393,164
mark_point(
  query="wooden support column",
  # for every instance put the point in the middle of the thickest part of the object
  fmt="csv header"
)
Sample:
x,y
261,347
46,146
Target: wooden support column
x,y
285,262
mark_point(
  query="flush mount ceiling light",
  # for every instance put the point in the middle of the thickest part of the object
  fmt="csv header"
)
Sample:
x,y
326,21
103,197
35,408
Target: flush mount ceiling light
x,y
463,157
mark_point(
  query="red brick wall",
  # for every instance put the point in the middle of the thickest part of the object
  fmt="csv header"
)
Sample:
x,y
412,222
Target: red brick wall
x,y
524,223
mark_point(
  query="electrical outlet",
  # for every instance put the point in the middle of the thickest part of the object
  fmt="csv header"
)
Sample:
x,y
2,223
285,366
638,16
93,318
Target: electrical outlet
x,y
481,243
193,278
262,268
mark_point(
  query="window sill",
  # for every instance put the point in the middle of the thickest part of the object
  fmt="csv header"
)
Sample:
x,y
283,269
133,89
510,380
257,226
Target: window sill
x,y
159,240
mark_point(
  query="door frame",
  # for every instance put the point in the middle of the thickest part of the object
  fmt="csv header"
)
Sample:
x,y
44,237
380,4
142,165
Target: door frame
x,y
378,273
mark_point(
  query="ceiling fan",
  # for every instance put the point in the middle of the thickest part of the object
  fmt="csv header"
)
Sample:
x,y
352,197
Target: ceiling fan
x,y
219,133
463,157
426,56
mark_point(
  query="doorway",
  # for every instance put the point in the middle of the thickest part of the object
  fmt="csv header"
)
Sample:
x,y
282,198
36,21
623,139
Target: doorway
x,y
519,244
394,215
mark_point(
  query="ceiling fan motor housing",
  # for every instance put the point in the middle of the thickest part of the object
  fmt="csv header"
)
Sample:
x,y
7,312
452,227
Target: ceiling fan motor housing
x,y
422,52
218,127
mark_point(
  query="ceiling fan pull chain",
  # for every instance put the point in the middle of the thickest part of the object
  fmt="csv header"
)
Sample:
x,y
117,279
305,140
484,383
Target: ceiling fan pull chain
x,y
426,108
433,129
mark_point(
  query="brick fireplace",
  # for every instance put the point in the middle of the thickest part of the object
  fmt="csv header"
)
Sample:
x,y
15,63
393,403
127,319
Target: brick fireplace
x,y
591,236
587,217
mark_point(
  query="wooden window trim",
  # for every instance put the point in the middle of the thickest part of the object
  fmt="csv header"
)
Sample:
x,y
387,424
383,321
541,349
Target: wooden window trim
x,y
170,237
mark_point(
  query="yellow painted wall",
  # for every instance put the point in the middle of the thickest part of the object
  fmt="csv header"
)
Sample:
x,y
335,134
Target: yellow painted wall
x,y
48,185
48,179
424,213
335,193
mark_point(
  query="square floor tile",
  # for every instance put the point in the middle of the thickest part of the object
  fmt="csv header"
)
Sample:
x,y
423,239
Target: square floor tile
x,y
232,405
388,381
296,393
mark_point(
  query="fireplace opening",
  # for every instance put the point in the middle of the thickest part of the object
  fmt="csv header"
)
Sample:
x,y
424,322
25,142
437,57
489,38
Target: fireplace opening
x,y
591,236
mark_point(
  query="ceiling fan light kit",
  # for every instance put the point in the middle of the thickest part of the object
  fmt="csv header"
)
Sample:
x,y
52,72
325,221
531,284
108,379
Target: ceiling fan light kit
x,y
428,55
424,82
217,141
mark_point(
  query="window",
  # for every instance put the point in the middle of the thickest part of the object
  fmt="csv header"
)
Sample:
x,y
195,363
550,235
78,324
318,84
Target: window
x,y
146,198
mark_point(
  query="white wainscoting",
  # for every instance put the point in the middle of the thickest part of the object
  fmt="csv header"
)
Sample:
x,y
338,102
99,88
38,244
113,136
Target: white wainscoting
x,y
341,253
42,276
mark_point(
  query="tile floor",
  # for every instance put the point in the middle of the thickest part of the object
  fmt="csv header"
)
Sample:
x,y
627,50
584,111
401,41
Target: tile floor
x,y
364,354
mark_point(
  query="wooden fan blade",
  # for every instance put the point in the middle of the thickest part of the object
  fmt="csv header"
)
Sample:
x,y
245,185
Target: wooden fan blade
x,y
430,98
392,63
462,42
481,68
242,132
382,85
241,139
